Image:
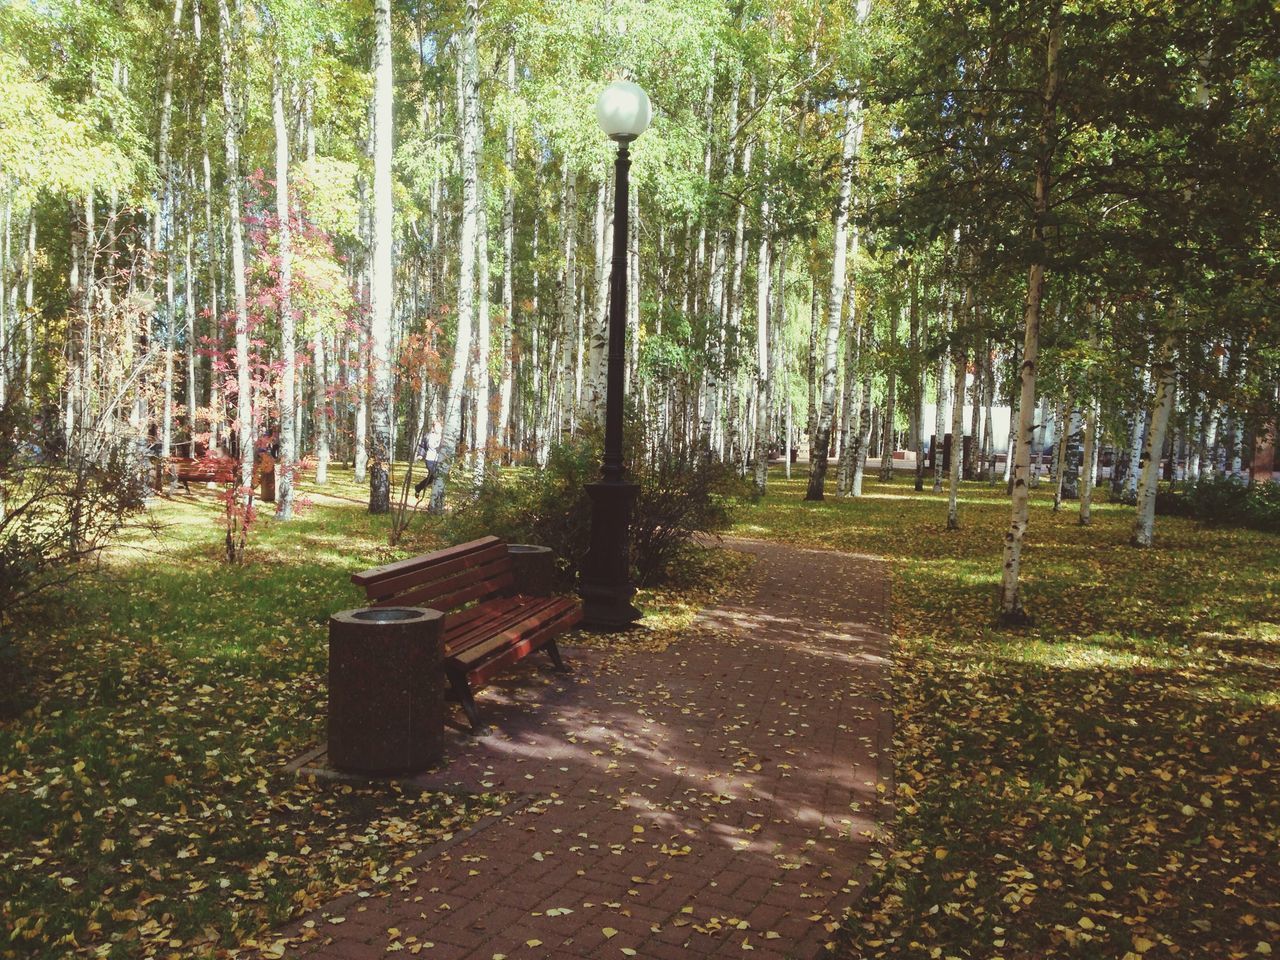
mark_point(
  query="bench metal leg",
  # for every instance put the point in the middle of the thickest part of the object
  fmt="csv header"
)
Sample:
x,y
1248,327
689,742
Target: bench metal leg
x,y
553,652
462,690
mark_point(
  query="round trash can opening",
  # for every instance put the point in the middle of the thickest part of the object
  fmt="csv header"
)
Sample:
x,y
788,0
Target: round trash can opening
x,y
385,616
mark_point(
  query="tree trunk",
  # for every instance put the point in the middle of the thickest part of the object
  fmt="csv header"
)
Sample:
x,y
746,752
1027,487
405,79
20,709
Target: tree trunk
x,y
939,421
763,276
957,437
482,342
508,264
1090,465
468,81
231,139
835,306
288,437
890,401
380,287
1163,374
1011,609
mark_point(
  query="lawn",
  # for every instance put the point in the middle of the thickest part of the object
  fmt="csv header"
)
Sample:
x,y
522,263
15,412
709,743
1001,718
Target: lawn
x,y
1105,783
143,806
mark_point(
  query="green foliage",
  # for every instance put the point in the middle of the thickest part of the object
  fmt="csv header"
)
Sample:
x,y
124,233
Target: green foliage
x,y
1223,499
1097,783
550,507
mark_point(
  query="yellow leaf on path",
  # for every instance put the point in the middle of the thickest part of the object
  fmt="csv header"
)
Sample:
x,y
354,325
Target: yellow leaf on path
x,y
1264,948
533,943
609,932
1086,923
1142,944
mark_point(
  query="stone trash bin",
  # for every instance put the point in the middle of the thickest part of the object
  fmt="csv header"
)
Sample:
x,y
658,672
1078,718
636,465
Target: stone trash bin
x,y
386,690
534,569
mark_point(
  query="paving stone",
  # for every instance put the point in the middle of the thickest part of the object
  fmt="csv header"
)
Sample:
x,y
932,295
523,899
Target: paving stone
x,y
728,773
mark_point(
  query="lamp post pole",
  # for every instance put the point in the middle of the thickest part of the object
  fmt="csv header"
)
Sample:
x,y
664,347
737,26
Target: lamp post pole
x,y
606,588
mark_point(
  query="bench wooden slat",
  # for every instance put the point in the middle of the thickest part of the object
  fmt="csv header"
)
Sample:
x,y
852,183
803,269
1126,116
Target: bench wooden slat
x,y
486,628
485,610
479,675
477,653
430,594
476,633
426,561
390,586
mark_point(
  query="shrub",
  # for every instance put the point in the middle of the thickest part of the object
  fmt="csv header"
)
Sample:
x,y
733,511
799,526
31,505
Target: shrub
x,y
60,505
1220,499
678,499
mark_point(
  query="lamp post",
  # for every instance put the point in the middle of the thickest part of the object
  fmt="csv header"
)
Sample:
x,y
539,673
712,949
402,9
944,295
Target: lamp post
x,y
606,589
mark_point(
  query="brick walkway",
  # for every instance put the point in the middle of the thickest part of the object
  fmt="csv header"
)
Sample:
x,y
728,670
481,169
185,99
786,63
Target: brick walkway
x,y
719,797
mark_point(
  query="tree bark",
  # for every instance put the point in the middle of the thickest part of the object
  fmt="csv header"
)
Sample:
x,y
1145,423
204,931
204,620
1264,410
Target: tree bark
x,y
763,276
1011,608
468,81
1162,406
231,139
835,306
957,435
380,287
288,438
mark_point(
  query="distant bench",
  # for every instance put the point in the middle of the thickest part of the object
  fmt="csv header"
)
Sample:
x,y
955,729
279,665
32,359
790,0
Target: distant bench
x,y
489,623
197,469
212,469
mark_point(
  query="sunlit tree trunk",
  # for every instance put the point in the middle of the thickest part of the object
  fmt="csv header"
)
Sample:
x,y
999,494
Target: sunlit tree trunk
x,y
835,306
1011,609
508,264
1163,372
860,431
468,82
957,435
284,254
598,327
939,420
380,287
231,140
848,427
890,401
568,301
1090,463
763,275
482,341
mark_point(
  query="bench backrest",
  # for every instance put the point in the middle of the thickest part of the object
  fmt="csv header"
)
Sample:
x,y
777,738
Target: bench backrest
x,y
444,580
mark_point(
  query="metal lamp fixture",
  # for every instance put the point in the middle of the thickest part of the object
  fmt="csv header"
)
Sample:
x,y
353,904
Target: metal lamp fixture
x,y
624,113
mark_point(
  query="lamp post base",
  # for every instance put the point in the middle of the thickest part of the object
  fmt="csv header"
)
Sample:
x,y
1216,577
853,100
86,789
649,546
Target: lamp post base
x,y
606,588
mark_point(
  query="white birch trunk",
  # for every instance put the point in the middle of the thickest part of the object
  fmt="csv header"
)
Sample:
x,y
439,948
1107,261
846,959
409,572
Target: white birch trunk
x,y
380,286
482,342
288,435
1010,595
1089,465
835,306
1163,372
231,140
957,438
468,81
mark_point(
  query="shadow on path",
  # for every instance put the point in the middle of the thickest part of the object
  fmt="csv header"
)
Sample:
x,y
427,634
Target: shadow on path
x,y
723,795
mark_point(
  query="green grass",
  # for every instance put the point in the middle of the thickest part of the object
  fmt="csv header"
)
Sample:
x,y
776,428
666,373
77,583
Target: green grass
x,y
1104,783
143,806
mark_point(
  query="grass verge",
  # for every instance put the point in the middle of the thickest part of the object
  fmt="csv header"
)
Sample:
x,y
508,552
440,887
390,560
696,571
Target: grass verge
x,y
1104,783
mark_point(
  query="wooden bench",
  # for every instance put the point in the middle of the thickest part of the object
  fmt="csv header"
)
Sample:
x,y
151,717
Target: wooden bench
x,y
489,624
199,470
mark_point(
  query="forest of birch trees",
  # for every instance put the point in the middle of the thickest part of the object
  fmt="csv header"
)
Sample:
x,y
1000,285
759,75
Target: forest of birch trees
x,y
360,229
